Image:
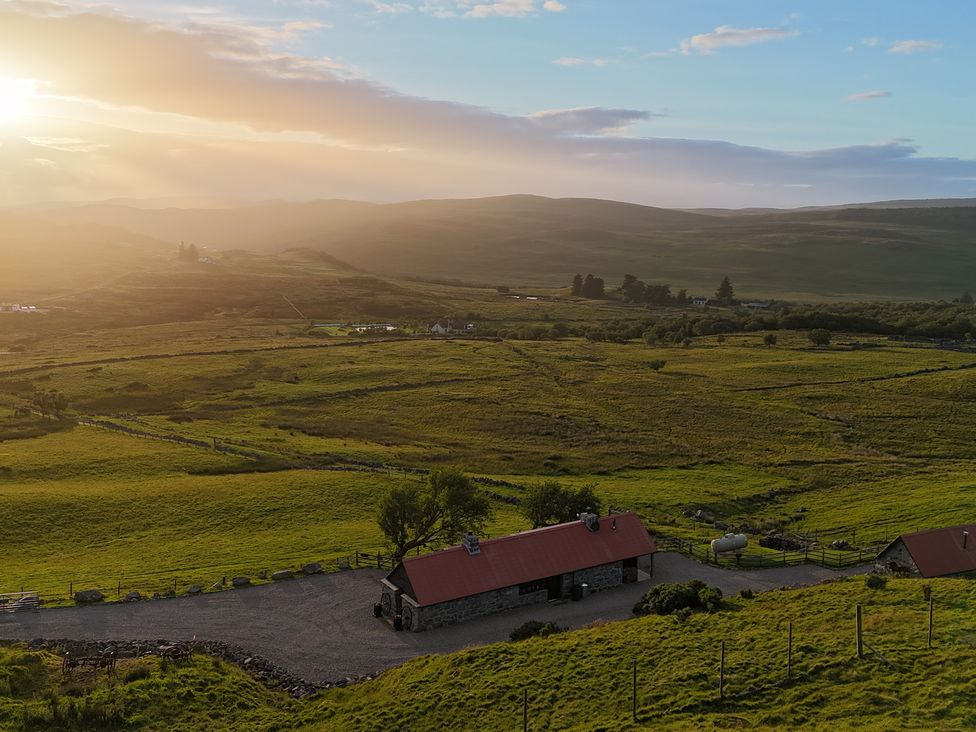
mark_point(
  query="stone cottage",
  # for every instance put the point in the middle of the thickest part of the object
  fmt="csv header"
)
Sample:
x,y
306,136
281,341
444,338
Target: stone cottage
x,y
946,552
555,562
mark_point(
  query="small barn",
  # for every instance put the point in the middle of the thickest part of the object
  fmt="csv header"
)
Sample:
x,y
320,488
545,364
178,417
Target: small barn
x,y
552,563
945,552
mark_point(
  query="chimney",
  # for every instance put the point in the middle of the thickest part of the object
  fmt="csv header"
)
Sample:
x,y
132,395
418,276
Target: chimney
x,y
965,538
590,520
470,542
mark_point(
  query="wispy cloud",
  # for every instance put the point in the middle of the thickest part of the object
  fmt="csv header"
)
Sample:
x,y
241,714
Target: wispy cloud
x,y
727,35
488,8
577,61
864,96
589,120
871,41
914,46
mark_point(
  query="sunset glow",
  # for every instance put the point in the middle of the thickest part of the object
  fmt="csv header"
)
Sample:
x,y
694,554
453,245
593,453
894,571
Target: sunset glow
x,y
14,98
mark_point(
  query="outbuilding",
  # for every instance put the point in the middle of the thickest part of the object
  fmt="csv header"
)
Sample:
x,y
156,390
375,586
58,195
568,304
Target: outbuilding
x,y
945,552
552,563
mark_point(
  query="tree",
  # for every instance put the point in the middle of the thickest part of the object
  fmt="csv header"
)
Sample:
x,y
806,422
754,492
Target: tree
x,y
769,339
819,336
435,512
549,503
632,289
725,292
592,287
578,285
967,298
681,298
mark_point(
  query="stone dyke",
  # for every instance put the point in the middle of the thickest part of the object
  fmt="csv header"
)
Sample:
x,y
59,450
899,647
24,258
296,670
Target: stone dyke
x,y
260,669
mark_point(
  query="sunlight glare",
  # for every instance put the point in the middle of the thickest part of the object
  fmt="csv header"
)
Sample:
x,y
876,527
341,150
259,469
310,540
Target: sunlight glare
x,y
14,98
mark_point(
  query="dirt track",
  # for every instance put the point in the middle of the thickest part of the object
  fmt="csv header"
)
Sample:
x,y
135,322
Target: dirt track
x,y
322,628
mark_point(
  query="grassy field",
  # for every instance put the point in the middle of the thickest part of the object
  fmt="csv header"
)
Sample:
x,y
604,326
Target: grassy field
x,y
582,680
839,440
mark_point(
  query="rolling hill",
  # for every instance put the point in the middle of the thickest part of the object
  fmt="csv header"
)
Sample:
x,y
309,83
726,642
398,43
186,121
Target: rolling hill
x,y
872,252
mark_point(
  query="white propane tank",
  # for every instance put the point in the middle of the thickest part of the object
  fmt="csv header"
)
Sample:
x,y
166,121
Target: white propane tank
x,y
730,543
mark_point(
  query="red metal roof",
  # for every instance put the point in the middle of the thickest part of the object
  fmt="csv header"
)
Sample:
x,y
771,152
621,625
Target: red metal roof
x,y
530,555
939,552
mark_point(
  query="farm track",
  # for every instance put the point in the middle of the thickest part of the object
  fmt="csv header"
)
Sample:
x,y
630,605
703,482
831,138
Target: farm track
x,y
860,379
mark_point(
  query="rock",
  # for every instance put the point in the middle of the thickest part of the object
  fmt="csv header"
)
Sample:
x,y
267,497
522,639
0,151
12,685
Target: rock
x,y
241,581
312,568
720,525
263,575
194,590
282,574
133,597
89,596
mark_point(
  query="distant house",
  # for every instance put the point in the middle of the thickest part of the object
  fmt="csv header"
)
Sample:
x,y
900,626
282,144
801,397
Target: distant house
x,y
368,327
757,305
946,552
551,563
699,301
446,327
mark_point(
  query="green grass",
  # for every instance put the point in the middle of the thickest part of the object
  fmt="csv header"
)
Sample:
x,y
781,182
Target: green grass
x,y
581,680
833,440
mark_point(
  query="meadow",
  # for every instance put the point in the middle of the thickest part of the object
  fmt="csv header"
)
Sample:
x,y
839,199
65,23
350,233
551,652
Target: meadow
x,y
581,680
840,440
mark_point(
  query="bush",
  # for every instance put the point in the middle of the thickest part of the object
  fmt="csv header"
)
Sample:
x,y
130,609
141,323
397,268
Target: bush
x,y
819,336
136,673
746,594
657,364
876,581
671,597
534,628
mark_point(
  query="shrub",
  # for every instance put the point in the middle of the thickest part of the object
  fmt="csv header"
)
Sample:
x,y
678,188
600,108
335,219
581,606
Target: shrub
x,y
746,594
670,597
534,628
876,581
657,364
136,673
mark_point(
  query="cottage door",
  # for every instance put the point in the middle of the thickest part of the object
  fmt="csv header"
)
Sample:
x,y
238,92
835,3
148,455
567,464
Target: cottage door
x,y
555,586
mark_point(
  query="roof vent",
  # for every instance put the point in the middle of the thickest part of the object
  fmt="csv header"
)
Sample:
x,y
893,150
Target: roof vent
x,y
965,538
470,542
591,520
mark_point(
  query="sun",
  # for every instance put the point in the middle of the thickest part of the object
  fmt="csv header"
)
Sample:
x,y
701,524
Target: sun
x,y
15,96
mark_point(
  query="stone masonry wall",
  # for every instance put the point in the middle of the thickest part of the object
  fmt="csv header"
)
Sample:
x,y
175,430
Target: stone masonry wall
x,y
602,577
898,554
465,608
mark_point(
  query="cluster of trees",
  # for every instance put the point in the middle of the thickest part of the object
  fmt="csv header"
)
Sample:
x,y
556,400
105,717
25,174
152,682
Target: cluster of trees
x,y
442,508
188,253
50,402
589,286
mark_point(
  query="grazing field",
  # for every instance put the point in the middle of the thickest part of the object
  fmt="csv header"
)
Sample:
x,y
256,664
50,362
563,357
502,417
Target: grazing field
x,y
580,680
840,440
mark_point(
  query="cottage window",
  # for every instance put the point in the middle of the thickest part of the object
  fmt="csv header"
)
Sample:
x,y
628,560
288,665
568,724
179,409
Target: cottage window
x,y
527,588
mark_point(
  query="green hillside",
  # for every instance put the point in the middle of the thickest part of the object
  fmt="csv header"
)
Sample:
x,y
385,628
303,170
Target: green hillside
x,y
926,252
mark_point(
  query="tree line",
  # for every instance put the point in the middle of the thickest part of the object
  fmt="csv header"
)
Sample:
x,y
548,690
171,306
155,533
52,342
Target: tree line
x,y
634,290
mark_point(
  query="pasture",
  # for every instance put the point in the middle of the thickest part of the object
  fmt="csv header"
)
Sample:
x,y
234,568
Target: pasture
x,y
836,440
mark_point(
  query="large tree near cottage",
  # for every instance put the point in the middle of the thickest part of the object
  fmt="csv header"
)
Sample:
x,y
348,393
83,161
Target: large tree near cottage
x,y
435,512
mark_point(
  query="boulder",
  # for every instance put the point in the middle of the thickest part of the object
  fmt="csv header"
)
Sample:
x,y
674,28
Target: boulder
x,y
194,590
241,581
312,568
133,597
89,596
282,574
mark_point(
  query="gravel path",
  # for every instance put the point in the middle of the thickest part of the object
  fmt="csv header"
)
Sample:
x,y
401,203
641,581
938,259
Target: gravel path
x,y
322,628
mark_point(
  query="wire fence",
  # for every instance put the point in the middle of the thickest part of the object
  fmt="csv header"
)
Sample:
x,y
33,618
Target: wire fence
x,y
823,556
167,583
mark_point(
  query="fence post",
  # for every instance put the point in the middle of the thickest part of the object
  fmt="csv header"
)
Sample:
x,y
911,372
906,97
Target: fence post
x,y
930,621
635,689
789,654
858,631
525,710
721,674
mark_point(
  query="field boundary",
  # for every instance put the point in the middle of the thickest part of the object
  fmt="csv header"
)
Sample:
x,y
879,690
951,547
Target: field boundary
x,y
821,556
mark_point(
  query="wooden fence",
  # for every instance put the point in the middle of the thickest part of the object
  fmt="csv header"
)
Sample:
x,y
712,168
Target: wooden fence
x,y
832,558
13,602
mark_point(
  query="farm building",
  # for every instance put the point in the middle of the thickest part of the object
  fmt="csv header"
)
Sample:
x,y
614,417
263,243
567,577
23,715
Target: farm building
x,y
946,552
552,563
445,327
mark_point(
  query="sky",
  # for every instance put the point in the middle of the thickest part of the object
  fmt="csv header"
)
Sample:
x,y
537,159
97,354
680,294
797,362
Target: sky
x,y
679,103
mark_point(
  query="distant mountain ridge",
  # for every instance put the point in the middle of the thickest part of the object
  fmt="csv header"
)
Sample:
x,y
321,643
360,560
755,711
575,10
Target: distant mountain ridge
x,y
888,249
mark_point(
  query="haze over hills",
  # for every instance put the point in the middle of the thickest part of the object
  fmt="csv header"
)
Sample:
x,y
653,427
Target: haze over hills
x,y
884,250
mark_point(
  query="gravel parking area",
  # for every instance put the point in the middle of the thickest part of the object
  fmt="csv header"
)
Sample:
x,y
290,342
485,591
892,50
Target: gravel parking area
x,y
322,628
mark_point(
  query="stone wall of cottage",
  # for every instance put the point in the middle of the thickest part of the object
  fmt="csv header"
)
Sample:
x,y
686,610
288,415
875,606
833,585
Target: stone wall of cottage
x,y
897,557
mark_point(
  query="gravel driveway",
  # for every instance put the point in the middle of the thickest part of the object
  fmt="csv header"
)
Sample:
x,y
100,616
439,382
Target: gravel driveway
x,y
322,628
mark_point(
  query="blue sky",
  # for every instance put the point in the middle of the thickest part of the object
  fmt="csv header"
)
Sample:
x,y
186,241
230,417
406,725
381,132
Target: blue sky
x,y
765,102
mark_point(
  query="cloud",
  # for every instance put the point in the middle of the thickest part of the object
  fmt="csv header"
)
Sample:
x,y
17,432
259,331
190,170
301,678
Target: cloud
x,y
553,6
864,96
589,120
576,61
727,35
276,124
871,41
488,8
914,46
